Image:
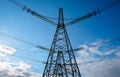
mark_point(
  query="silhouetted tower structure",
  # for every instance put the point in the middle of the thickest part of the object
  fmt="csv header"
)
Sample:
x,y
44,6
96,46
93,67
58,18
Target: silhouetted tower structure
x,y
61,61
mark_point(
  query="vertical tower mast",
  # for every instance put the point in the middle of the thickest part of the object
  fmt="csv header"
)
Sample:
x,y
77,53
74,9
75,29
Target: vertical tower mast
x,y
61,61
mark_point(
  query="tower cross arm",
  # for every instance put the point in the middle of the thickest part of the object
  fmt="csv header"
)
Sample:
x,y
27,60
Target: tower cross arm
x,y
94,13
28,10
41,17
83,17
78,49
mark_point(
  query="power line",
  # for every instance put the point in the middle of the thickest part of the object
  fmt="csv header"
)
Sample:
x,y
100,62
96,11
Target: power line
x,y
30,43
113,4
94,13
28,10
24,41
22,57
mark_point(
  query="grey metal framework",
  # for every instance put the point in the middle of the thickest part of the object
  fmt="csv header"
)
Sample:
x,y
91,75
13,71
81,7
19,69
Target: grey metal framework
x,y
61,61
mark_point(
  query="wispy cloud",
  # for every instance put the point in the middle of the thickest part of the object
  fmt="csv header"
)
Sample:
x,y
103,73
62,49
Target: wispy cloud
x,y
20,69
103,68
7,49
99,59
13,69
118,53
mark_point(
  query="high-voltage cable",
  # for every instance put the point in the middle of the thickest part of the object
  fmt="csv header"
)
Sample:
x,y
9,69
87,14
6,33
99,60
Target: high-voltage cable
x,y
94,13
28,10
24,41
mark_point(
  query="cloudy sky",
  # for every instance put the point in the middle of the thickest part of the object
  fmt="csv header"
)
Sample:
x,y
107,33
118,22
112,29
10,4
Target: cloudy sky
x,y
20,32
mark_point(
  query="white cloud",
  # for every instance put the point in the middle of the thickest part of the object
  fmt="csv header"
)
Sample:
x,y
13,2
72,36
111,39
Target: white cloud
x,y
83,53
2,55
6,49
104,68
118,54
99,60
95,50
99,47
4,65
8,69
97,43
20,69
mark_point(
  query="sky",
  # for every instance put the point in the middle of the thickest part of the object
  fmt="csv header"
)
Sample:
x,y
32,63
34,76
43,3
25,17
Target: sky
x,y
98,35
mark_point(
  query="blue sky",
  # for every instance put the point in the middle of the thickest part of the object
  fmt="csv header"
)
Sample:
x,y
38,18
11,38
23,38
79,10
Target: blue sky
x,y
98,30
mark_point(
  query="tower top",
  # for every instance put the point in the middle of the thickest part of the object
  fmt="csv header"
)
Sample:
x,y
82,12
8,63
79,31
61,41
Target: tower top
x,y
61,18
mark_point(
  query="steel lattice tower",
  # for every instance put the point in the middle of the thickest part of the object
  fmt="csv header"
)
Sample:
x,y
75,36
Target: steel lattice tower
x,y
61,61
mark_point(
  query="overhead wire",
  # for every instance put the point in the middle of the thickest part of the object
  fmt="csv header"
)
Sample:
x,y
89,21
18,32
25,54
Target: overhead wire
x,y
30,43
31,59
47,49
28,10
113,4
26,58
69,23
24,41
16,3
22,6
94,13
83,17
22,57
73,20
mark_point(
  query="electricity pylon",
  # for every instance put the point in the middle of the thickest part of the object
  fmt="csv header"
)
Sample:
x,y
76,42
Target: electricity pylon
x,y
61,63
